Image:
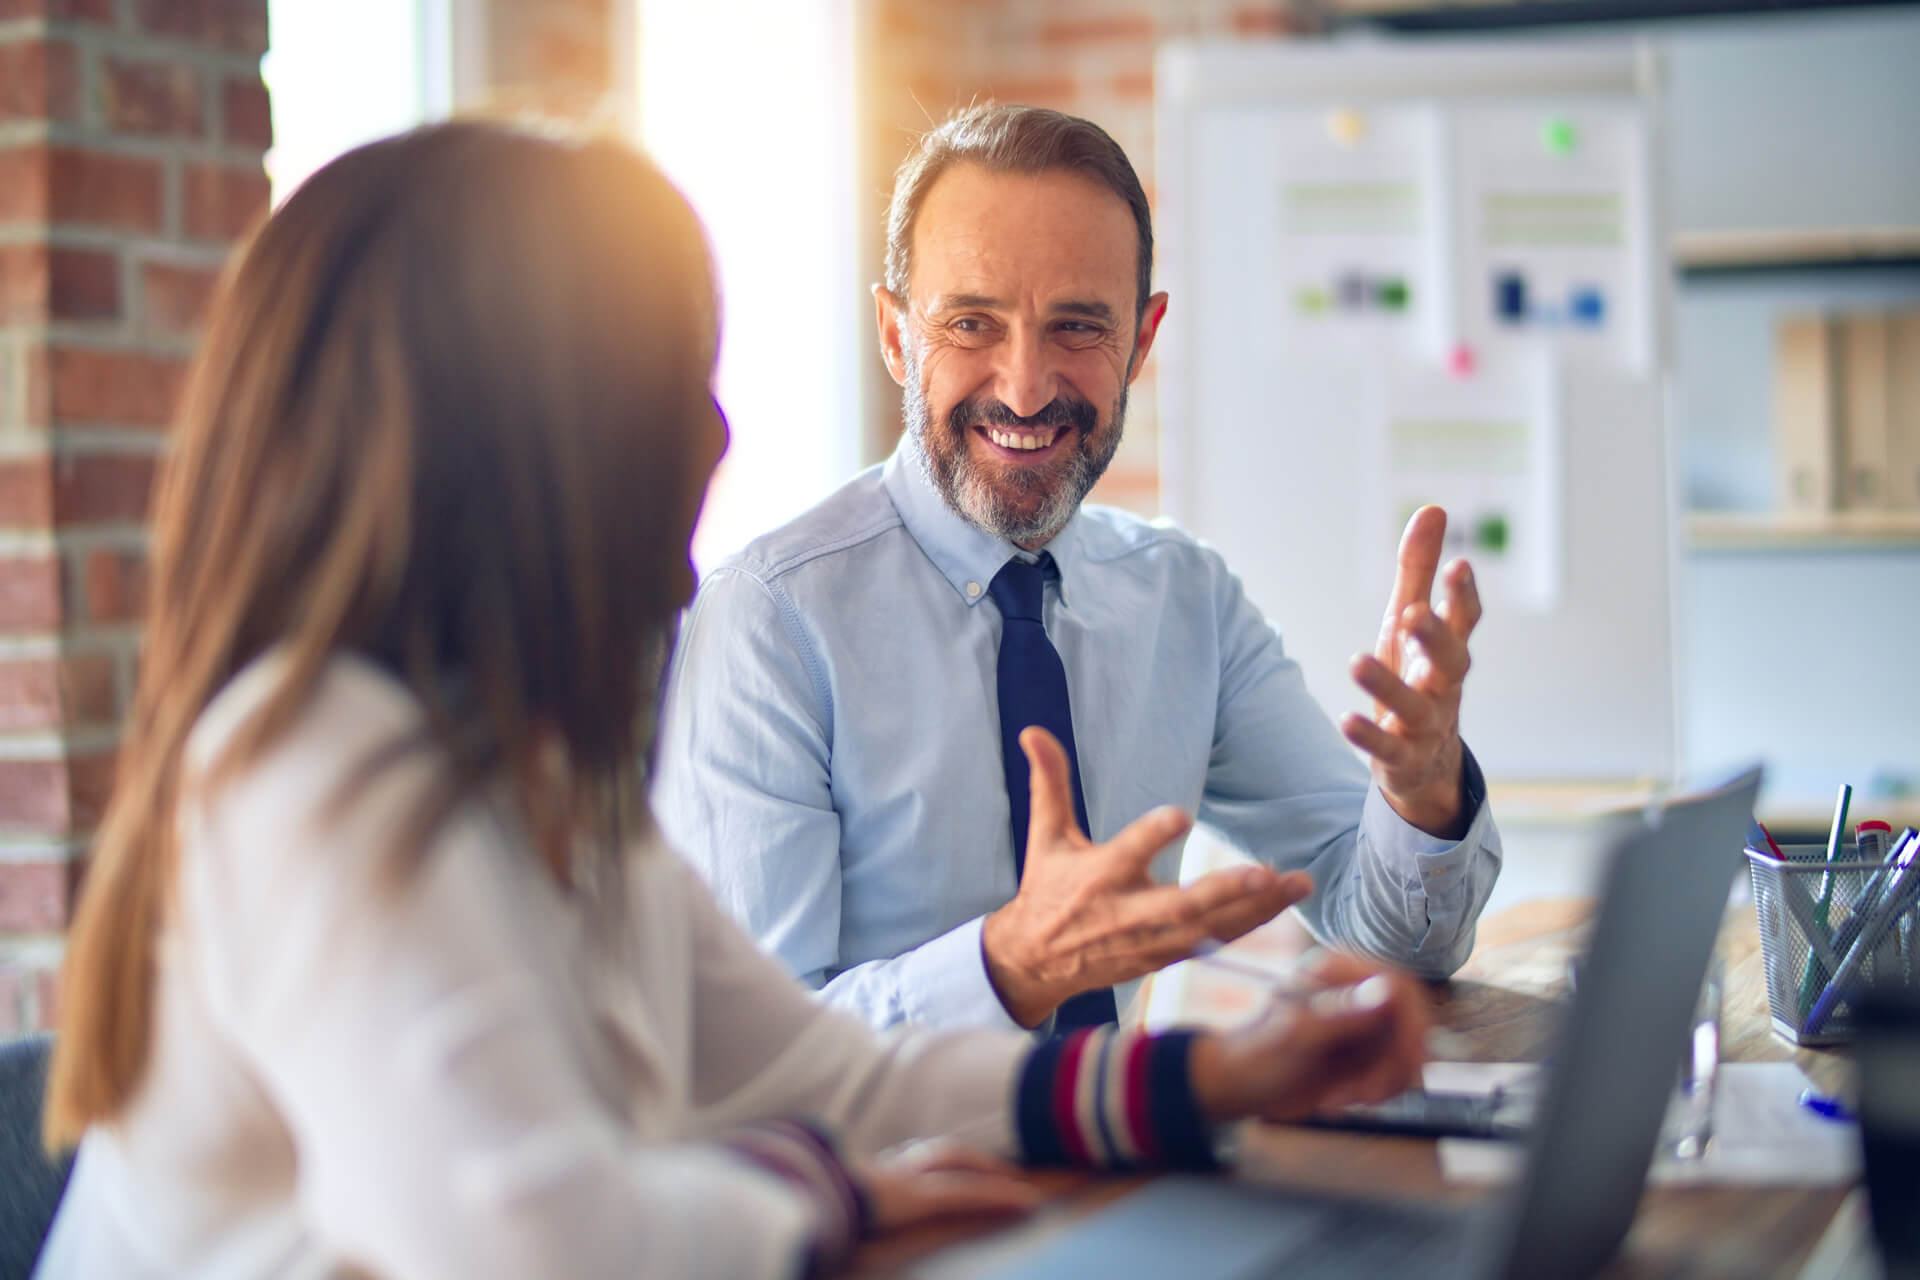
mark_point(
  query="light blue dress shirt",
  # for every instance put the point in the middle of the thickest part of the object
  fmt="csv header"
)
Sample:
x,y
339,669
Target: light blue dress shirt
x,y
830,746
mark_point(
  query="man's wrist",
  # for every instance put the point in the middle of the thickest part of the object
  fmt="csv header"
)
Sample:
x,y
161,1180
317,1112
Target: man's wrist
x,y
1023,997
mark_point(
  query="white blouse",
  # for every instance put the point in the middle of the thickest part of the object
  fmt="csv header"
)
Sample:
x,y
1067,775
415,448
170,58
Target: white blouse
x,y
465,1072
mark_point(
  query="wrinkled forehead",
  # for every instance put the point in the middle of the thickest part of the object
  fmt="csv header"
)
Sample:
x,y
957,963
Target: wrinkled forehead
x,y
1023,237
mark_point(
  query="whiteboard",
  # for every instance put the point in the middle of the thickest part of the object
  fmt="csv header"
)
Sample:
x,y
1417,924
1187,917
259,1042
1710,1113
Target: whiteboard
x,y
1432,273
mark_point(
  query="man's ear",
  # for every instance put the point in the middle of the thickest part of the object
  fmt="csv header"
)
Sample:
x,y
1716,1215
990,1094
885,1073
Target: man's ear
x,y
1150,317
886,315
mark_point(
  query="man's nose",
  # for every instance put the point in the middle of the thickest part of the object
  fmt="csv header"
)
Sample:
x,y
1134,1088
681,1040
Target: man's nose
x,y
1026,382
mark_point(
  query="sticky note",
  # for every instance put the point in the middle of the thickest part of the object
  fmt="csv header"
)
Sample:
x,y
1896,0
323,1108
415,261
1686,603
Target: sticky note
x,y
1347,127
1559,135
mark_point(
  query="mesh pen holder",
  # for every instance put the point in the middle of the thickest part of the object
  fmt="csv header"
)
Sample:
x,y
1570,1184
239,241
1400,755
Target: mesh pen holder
x,y
1802,954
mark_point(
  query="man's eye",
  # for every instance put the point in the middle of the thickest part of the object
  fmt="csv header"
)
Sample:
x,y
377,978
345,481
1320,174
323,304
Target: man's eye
x,y
1079,333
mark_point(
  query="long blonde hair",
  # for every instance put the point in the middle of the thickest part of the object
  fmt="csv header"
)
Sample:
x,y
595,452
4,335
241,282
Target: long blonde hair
x,y
440,418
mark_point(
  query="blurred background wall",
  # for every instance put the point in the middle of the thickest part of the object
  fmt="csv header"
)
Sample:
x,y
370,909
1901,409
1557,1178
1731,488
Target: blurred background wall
x,y
132,137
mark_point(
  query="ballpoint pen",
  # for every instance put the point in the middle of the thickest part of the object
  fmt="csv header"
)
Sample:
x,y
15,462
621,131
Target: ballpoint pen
x,y
1441,1043
1822,909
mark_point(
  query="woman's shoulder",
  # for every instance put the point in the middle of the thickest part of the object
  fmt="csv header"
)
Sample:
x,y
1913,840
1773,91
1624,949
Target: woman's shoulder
x,y
351,759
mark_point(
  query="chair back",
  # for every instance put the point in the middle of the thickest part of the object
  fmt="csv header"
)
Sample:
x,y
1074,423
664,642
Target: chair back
x,y
30,1183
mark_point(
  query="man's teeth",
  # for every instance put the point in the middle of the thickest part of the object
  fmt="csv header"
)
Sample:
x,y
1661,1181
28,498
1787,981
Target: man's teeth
x,y
1022,439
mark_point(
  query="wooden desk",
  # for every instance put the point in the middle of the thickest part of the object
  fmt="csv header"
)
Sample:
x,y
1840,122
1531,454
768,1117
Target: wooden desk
x,y
1502,1006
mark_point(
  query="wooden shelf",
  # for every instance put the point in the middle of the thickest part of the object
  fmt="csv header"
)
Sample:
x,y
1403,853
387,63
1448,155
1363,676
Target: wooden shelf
x,y
1775,250
1772,531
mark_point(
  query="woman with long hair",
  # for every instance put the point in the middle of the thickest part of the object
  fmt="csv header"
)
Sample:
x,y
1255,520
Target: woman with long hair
x,y
379,965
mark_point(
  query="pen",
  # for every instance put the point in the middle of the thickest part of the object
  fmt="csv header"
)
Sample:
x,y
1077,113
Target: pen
x,y
1863,904
1826,1106
1822,909
1441,1043
1894,898
1760,840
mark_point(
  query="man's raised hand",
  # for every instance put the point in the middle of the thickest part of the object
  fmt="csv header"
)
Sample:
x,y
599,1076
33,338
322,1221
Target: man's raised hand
x,y
1415,675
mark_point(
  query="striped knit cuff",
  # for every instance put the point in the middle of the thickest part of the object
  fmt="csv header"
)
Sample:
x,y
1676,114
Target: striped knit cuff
x,y
1114,1099
803,1155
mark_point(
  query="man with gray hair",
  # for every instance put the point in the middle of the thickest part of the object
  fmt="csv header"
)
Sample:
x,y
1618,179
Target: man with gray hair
x,y
935,742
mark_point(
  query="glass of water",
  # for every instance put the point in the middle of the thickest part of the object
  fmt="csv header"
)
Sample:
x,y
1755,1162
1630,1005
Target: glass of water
x,y
1688,1126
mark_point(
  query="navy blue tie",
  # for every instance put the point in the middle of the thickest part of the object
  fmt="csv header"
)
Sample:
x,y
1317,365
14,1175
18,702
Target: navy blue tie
x,y
1033,690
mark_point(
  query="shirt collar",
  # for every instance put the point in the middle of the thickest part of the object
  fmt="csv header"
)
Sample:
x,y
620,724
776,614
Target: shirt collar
x,y
966,555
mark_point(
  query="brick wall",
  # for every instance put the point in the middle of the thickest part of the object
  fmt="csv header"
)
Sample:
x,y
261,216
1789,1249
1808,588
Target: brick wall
x,y
1093,58
131,135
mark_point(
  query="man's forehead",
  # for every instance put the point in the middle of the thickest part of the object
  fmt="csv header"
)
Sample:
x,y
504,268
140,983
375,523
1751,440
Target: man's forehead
x,y
982,234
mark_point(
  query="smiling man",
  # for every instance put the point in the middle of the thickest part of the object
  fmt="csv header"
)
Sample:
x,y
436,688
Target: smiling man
x,y
841,752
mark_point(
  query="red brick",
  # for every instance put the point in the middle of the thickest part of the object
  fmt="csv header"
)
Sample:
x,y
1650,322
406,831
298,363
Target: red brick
x,y
89,689
1134,85
100,488
156,99
26,493
248,113
38,283
120,388
23,283
1138,26
97,11
231,24
89,785
49,693
39,80
34,896
116,585
222,203
29,695
29,593
83,284
73,184
33,796
175,298
1274,21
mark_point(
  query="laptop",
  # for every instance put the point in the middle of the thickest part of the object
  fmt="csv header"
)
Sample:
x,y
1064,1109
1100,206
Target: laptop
x,y
1663,894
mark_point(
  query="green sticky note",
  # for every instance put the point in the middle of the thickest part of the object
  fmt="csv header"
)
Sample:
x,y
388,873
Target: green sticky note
x,y
1490,533
1391,294
1560,136
1313,300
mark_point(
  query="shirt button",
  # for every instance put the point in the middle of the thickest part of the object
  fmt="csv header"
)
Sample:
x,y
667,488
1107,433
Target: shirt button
x,y
973,590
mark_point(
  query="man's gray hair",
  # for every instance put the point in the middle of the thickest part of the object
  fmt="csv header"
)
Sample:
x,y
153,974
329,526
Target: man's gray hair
x,y
1008,138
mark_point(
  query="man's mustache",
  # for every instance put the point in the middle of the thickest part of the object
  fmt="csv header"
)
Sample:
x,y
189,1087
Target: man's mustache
x,y
1061,411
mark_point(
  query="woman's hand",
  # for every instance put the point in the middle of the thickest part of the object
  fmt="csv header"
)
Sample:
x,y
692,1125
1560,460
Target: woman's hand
x,y
935,1181
1361,1037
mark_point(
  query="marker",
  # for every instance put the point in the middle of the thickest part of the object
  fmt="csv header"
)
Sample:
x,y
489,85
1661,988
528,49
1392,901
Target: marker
x,y
1826,1106
1822,909
1760,840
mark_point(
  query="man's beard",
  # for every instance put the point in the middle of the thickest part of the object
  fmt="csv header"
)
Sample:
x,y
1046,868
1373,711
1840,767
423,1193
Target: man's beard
x,y
1024,505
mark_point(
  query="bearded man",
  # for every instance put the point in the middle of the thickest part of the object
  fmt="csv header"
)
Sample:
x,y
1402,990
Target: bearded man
x,y
936,742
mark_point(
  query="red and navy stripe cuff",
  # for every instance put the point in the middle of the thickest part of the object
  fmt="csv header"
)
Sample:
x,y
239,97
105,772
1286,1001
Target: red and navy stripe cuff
x,y
1112,1099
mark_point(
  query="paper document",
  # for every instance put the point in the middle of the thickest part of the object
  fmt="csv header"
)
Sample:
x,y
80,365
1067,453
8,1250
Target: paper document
x,y
1762,1136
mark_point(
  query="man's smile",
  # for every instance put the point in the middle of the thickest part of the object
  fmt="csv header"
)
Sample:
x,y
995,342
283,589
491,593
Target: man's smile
x,y
1022,444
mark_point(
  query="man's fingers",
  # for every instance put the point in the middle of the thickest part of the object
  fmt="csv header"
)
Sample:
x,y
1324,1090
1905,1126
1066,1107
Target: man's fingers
x,y
1141,840
1050,817
1414,709
1419,558
1446,649
1420,548
1238,900
1389,749
1461,609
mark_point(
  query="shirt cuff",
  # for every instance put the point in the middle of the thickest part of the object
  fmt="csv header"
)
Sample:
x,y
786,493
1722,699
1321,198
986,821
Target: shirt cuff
x,y
1111,1098
1440,865
950,986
